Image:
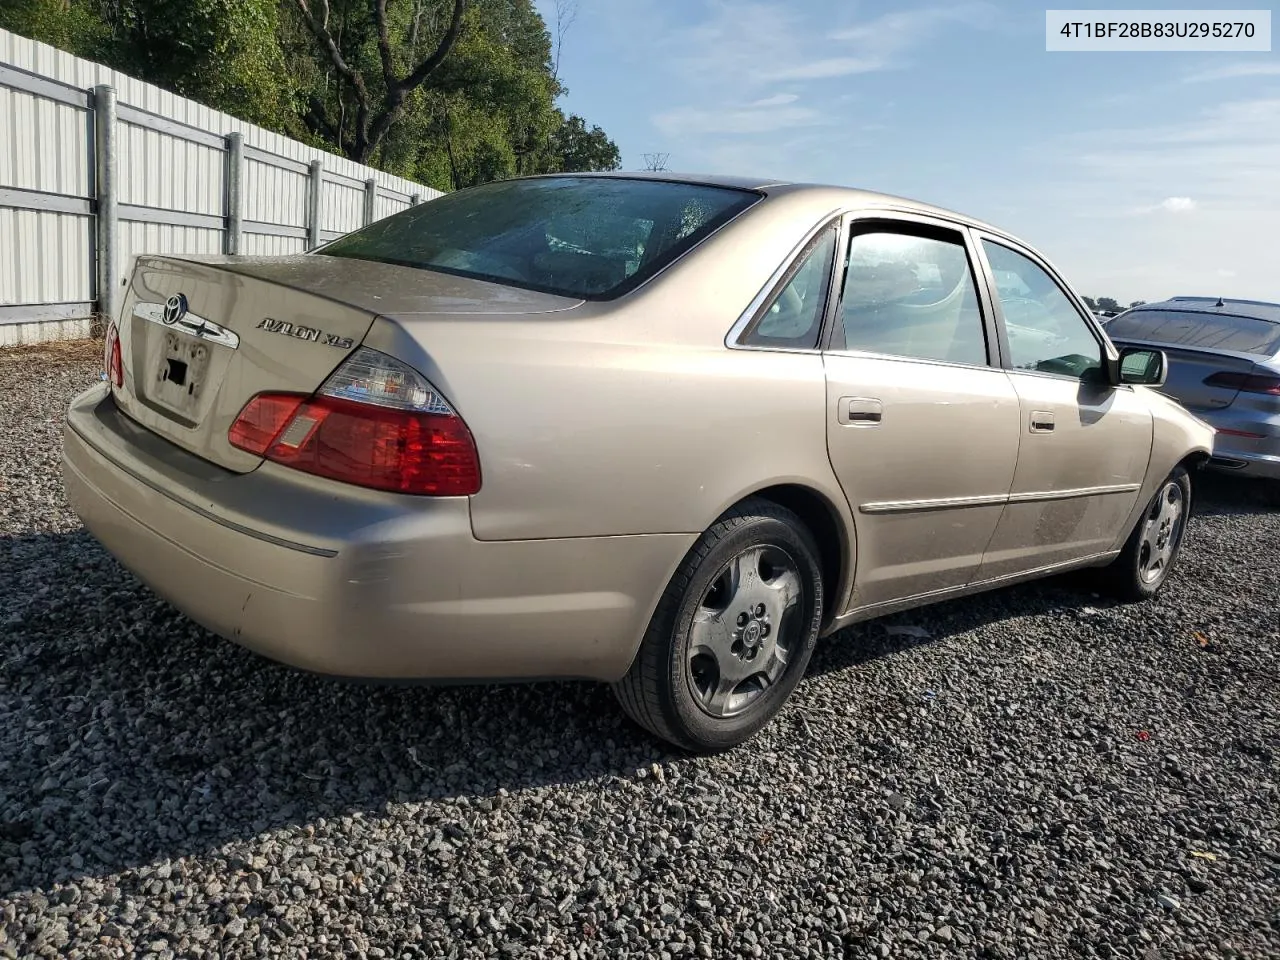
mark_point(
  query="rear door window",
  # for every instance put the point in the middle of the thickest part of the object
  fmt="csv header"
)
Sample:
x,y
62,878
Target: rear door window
x,y
909,294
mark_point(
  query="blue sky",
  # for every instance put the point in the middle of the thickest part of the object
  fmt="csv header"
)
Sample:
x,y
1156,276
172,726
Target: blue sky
x,y
1141,175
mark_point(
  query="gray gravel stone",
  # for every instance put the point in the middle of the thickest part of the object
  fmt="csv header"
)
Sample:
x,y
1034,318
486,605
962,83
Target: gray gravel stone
x,y
971,783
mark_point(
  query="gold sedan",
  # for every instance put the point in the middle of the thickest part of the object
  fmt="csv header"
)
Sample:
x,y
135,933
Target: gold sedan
x,y
661,432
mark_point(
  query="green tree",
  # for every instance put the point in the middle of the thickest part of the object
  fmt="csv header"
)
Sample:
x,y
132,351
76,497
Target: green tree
x,y
448,92
222,53
1109,305
374,94
575,148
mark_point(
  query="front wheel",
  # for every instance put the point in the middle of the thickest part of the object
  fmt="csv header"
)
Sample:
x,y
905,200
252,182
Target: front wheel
x,y
1154,545
733,633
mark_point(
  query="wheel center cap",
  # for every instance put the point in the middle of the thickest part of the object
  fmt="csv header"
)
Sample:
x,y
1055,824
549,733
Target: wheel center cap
x,y
751,633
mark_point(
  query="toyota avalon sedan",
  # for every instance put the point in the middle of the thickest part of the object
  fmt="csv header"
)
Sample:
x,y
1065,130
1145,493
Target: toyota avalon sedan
x,y
658,431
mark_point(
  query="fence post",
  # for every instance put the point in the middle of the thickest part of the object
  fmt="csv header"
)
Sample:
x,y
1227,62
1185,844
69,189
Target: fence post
x,y
234,170
370,199
313,205
106,220
415,199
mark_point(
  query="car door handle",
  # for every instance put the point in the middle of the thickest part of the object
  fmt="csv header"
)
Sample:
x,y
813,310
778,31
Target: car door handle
x,y
1041,421
860,411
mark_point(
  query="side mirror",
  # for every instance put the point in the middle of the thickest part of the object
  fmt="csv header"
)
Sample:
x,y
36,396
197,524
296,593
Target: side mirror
x,y
1145,367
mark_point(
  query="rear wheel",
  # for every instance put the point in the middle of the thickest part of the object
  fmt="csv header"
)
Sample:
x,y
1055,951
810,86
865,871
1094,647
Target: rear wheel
x,y
1154,545
733,633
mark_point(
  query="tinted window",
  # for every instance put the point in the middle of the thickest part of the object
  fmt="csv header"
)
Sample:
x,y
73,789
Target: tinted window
x,y
1203,330
575,236
794,318
912,296
1046,332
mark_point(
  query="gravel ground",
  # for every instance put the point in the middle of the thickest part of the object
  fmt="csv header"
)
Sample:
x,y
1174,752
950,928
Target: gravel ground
x,y
1043,775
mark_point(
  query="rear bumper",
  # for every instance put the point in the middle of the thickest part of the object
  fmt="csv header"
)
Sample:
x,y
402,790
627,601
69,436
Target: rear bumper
x,y
1256,453
1261,465
332,580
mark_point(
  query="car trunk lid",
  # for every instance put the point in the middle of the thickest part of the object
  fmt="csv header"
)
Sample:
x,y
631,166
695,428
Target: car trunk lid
x,y
201,336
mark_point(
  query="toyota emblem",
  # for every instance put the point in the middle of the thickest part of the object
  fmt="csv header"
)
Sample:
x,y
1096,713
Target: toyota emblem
x,y
175,308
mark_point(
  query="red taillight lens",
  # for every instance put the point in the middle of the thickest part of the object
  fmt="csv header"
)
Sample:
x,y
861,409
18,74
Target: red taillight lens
x,y
262,419
112,360
1245,382
405,451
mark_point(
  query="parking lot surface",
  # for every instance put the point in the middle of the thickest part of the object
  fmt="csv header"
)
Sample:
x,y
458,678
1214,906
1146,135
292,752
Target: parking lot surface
x,y
1033,773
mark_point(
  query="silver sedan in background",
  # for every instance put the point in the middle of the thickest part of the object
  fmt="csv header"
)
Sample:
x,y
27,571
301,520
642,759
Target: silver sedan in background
x,y
1224,366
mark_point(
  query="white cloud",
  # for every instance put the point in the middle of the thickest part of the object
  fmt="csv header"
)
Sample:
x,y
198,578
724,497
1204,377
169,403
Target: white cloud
x,y
1213,179
1221,272
777,100
684,121
903,29
739,49
827,68
1235,71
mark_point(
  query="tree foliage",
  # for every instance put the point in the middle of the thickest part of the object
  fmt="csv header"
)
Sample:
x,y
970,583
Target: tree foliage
x,y
448,92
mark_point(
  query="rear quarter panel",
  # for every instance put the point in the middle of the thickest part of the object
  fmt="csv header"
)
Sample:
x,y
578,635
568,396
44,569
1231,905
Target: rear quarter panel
x,y
633,417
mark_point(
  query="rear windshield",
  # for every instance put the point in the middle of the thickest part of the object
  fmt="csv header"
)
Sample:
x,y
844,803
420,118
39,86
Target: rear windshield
x,y
1205,331
590,237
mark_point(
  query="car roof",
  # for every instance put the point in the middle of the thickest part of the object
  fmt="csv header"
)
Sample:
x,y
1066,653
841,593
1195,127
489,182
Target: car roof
x,y
853,196
1222,306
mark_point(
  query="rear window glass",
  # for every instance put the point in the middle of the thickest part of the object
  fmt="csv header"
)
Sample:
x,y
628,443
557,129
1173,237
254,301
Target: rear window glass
x,y
590,237
1205,331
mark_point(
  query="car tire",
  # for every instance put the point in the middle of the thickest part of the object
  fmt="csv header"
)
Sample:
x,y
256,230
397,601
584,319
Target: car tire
x,y
1152,549
732,634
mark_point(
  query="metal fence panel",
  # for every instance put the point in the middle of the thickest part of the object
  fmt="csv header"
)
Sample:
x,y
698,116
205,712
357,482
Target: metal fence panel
x,y
170,180
138,238
274,195
341,206
192,173
45,258
385,206
270,245
54,153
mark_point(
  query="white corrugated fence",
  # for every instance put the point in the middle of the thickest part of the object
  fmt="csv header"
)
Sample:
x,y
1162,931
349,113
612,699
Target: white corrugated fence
x,y
79,140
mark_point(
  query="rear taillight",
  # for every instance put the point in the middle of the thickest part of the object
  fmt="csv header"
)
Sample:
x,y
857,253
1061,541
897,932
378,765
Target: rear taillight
x,y
1245,382
375,423
112,361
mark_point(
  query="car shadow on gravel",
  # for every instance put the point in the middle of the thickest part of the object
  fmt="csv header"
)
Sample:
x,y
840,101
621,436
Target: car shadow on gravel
x,y
129,736
1221,494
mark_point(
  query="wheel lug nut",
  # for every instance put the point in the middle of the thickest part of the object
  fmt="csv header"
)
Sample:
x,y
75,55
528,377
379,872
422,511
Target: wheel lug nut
x,y
759,609
743,618
764,630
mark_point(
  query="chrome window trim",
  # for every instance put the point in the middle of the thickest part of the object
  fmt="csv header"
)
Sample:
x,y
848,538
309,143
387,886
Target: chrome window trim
x,y
872,355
